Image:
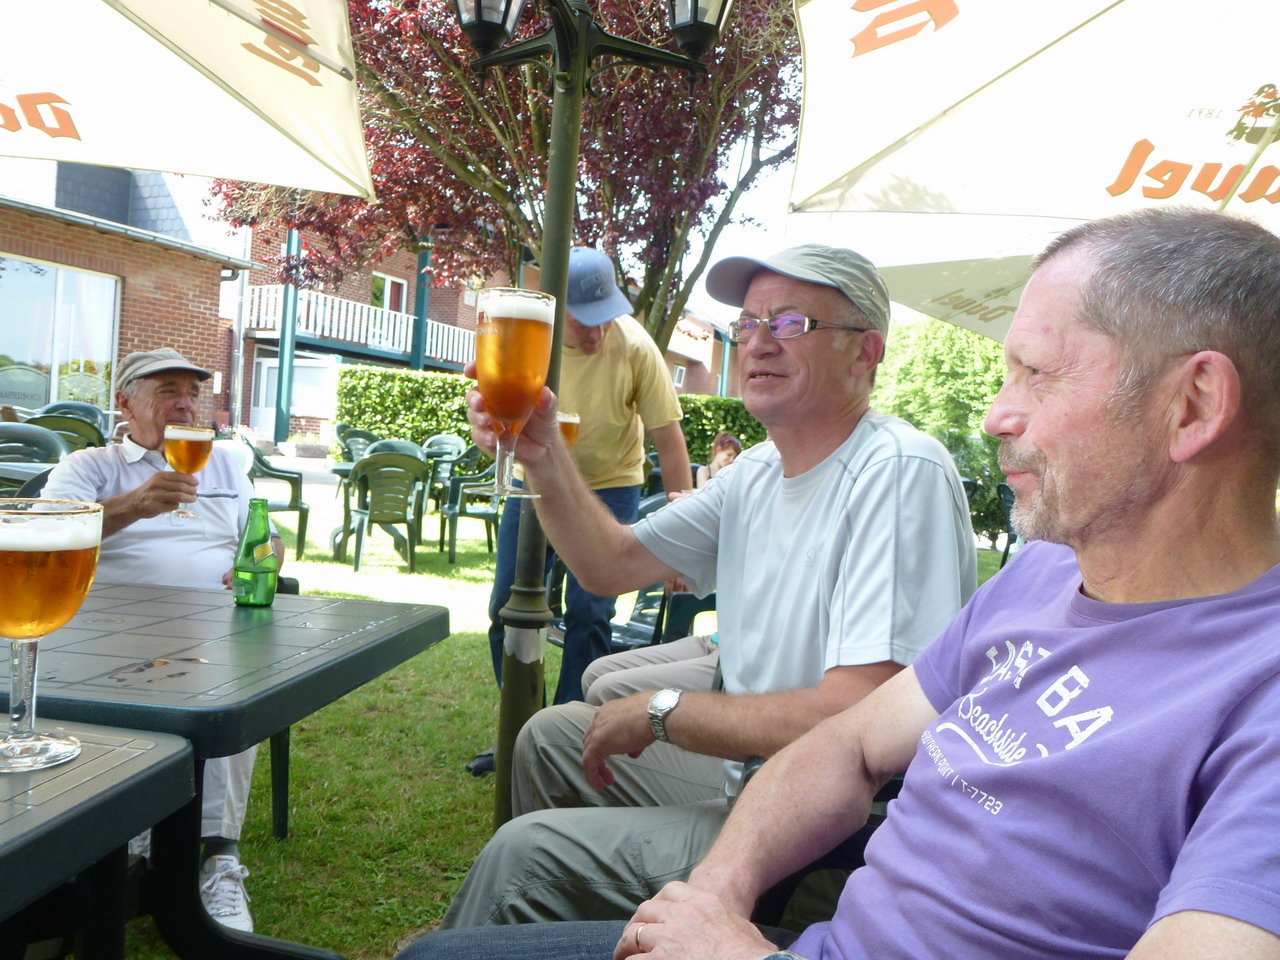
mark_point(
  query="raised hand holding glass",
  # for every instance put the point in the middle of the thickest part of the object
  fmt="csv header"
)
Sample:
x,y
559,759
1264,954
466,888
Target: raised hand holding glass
x,y
187,449
513,351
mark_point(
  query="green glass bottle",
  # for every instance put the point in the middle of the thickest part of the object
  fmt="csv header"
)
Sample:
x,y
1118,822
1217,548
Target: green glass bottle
x,y
253,579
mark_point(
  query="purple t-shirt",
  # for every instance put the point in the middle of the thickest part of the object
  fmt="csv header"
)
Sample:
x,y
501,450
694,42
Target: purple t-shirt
x,y
1094,767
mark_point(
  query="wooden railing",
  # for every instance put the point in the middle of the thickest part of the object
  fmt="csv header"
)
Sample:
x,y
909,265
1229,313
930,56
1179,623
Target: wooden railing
x,y
328,317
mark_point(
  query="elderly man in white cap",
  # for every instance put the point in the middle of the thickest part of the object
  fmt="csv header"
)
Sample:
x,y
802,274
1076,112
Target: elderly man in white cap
x,y
614,377
143,541
838,549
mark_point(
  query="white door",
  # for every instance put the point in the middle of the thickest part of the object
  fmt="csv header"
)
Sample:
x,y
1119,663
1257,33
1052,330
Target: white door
x,y
315,390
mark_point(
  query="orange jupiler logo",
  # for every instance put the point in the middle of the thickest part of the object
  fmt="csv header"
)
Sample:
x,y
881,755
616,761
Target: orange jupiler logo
x,y
900,22
292,22
1166,177
38,111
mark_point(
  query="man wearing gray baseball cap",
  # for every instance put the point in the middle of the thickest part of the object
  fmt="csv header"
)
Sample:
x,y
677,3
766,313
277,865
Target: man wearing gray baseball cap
x,y
144,541
838,549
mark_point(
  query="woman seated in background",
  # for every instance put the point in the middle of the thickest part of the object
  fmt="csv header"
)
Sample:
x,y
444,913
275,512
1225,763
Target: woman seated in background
x,y
725,448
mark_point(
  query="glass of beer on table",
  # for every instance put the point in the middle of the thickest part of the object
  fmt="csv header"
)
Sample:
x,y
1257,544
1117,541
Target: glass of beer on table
x,y
187,449
48,555
513,350
569,424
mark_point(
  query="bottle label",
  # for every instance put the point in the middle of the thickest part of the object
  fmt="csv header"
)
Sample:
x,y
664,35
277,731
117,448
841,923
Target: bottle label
x,y
261,552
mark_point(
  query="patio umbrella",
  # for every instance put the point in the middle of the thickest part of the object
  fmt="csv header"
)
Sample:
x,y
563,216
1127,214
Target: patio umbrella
x,y
262,91
1070,108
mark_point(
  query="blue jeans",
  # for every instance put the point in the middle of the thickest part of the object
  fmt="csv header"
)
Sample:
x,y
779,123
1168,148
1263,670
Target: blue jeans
x,y
587,632
537,941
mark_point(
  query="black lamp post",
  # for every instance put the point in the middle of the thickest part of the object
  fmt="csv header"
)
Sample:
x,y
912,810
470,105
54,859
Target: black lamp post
x,y
574,41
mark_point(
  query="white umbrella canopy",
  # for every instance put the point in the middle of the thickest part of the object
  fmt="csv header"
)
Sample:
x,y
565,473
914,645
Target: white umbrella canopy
x,y
980,294
1069,108
966,269
263,93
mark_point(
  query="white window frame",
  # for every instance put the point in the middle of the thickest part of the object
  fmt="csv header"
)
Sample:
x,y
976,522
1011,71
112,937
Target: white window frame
x,y
388,282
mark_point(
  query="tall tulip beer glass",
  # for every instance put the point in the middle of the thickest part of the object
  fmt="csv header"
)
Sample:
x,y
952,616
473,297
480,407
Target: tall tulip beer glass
x,y
513,349
187,449
48,554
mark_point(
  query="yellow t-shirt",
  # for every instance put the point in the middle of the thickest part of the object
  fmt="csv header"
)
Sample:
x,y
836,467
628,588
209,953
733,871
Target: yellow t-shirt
x,y
619,392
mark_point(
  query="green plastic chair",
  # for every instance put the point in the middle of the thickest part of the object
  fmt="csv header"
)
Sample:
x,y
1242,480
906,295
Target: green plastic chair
x,y
385,487
31,443
262,467
78,408
76,432
460,503
396,446
355,443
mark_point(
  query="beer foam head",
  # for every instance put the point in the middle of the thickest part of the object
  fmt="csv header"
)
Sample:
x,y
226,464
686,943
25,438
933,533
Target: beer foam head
x,y
517,304
174,431
35,530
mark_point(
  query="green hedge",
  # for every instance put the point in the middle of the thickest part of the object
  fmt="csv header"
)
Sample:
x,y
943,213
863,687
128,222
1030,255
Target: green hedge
x,y
414,405
404,404
705,416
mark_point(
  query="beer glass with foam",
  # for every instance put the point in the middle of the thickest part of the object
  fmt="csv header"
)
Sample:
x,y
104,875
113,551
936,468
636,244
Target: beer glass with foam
x,y
48,555
187,449
513,350
569,423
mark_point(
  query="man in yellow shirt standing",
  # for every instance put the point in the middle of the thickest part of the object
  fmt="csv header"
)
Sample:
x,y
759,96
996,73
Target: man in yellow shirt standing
x,y
614,377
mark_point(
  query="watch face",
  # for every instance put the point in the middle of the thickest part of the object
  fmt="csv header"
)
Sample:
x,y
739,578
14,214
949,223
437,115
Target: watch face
x,y
665,699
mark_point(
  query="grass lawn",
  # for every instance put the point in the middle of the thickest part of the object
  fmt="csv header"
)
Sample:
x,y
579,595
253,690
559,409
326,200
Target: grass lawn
x,y
384,820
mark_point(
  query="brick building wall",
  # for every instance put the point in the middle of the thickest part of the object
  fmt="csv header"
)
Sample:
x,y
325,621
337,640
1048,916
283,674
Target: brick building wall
x,y
168,298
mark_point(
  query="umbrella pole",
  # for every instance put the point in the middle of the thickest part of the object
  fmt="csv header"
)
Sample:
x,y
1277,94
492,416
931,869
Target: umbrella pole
x,y
526,614
1267,139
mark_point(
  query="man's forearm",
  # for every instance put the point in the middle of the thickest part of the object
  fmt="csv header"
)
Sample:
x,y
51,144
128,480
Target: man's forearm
x,y
118,513
738,727
603,554
673,457
815,792
803,802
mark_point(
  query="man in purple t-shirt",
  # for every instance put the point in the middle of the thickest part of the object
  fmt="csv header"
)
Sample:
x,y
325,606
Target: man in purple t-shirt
x,y
1091,752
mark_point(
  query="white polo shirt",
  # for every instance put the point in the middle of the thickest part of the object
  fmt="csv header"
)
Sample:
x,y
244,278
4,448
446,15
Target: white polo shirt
x,y
166,549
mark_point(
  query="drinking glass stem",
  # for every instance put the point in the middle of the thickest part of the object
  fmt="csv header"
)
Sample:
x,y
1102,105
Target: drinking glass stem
x,y
506,460
22,688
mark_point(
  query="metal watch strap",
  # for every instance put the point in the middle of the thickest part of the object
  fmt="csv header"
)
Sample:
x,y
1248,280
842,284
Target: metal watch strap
x,y
661,704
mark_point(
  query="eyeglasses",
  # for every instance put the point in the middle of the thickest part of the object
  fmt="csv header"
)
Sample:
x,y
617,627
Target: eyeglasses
x,y
784,326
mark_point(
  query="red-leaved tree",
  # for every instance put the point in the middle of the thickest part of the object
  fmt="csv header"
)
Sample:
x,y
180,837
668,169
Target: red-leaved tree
x,y
459,161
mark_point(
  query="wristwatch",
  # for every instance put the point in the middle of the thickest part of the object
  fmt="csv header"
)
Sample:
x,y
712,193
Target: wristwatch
x,y
661,704
783,955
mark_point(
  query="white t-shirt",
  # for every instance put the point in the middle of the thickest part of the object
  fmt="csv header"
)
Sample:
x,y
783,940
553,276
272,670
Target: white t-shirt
x,y
166,550
864,558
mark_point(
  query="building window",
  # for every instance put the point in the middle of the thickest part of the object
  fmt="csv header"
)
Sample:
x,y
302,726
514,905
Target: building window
x,y
677,376
389,293
59,333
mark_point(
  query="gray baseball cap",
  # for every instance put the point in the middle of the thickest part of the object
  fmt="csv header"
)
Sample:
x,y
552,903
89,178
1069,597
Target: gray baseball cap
x,y
146,362
851,273
594,298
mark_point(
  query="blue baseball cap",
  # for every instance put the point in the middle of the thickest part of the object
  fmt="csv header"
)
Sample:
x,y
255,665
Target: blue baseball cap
x,y
594,298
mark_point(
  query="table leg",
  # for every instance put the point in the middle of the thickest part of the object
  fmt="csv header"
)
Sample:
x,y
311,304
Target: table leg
x,y
280,784
174,897
100,901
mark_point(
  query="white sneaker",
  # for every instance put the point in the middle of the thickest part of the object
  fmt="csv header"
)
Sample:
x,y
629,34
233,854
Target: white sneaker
x,y
223,893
